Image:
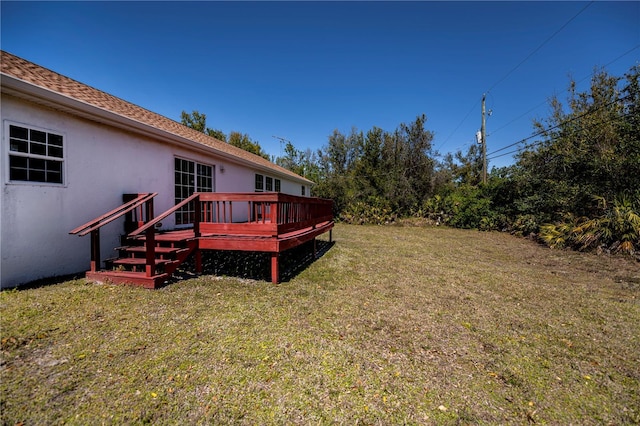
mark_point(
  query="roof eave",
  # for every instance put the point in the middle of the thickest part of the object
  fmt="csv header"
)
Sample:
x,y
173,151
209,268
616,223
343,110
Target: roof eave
x,y
26,90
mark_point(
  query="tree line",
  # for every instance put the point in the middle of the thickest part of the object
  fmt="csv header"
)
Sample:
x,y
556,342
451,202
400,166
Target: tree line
x,y
198,121
575,183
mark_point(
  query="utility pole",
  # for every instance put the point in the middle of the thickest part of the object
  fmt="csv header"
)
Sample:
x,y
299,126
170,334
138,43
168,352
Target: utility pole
x,y
483,136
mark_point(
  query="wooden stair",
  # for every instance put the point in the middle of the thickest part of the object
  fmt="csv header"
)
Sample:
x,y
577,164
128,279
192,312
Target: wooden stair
x,y
130,265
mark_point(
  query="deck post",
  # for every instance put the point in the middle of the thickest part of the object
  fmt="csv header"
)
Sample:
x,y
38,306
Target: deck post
x,y
275,267
148,212
95,250
330,235
315,248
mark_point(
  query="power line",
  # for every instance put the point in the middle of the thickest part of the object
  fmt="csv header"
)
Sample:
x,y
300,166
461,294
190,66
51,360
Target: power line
x,y
541,142
560,124
459,125
539,47
513,70
590,75
492,156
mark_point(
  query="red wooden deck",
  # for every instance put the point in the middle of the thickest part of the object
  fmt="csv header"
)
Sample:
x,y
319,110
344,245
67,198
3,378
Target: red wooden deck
x,y
263,222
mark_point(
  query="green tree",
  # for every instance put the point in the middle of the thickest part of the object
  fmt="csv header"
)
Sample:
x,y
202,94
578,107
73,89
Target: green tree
x,y
368,171
243,141
292,159
333,165
198,121
592,149
467,168
410,160
390,173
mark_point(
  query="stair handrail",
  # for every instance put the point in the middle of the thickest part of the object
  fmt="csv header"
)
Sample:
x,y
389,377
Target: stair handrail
x,y
152,223
112,215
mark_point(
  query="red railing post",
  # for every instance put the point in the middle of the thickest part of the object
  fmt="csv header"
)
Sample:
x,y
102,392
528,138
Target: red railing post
x,y
198,216
196,231
150,241
274,212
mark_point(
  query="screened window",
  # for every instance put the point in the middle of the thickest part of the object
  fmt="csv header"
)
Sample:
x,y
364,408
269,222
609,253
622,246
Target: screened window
x,y
304,190
35,155
268,184
190,177
277,188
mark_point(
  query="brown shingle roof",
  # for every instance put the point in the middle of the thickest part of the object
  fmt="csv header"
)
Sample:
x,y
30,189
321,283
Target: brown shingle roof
x,y
36,75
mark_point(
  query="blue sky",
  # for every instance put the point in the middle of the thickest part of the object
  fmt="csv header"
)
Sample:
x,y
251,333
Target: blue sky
x,y
299,70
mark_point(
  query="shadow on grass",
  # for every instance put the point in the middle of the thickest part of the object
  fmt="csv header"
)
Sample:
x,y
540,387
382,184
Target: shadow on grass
x,y
43,282
239,264
256,265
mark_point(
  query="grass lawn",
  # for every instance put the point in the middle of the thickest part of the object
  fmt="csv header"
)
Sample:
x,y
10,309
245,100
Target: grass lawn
x,y
392,325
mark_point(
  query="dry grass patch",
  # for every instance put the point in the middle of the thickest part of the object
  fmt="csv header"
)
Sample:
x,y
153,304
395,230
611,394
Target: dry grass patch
x,y
393,325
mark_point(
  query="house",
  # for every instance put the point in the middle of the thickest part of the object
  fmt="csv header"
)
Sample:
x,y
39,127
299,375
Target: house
x,y
70,152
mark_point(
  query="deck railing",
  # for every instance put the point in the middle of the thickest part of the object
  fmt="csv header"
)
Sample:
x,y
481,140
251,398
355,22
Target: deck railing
x,y
252,213
268,214
138,206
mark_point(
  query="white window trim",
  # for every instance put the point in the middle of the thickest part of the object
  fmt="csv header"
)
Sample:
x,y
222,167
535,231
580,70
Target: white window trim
x,y
6,152
275,182
196,163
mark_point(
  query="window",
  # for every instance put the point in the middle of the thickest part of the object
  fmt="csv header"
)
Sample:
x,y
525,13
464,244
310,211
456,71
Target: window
x,y
190,177
35,155
259,183
267,183
304,190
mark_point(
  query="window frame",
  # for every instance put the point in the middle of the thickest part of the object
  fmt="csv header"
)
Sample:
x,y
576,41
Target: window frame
x,y
258,179
184,215
8,154
267,183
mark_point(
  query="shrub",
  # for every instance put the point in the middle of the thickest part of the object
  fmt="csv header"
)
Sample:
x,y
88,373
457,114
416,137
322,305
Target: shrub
x,y
525,224
374,212
467,207
616,230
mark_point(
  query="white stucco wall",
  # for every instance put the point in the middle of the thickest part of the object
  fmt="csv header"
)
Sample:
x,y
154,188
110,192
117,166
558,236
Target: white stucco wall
x,y
101,164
